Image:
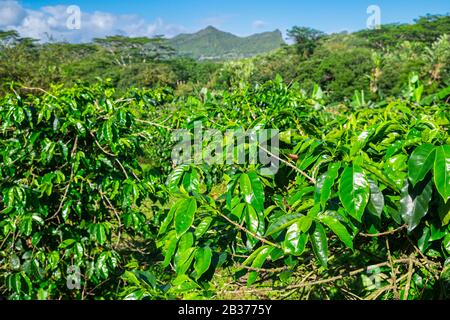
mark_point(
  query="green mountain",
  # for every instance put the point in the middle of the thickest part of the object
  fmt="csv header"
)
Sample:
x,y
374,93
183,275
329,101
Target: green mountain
x,y
213,44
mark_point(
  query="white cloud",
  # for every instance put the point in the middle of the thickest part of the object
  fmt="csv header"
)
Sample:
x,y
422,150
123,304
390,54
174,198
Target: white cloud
x,y
11,13
51,21
259,24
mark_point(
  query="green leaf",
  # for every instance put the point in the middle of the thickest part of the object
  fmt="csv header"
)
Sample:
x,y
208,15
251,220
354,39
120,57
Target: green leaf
x,y
183,260
252,223
305,223
169,249
246,188
319,243
420,163
253,255
258,263
258,191
282,222
168,219
339,230
186,241
354,191
107,131
14,282
67,243
175,176
26,225
442,171
423,243
184,215
446,243
100,233
395,169
66,210
376,202
444,212
202,261
237,210
325,183
295,241
414,203
203,227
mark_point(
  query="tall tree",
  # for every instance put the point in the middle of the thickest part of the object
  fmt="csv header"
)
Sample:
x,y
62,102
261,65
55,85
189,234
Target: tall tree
x,y
305,38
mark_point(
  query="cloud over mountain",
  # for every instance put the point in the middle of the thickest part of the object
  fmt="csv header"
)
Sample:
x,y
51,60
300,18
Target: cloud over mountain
x,y
51,22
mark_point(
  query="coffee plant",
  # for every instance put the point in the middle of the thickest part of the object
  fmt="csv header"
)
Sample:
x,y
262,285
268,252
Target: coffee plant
x,y
93,206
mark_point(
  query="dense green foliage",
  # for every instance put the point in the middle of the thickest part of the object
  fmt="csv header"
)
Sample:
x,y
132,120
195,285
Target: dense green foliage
x,y
72,191
94,206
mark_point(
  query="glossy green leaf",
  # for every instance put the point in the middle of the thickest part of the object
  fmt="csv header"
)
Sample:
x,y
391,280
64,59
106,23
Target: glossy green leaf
x,y
258,263
251,219
253,255
414,203
184,215
354,191
258,191
420,163
169,248
182,260
282,222
295,241
441,171
376,201
319,243
325,184
186,241
168,219
202,261
339,230
252,223
444,212
203,227
100,233
246,188
446,243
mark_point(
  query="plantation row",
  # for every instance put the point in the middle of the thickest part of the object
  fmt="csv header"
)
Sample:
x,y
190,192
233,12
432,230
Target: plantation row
x,y
91,205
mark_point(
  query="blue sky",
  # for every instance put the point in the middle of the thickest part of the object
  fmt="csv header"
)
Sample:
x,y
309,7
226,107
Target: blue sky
x,y
242,17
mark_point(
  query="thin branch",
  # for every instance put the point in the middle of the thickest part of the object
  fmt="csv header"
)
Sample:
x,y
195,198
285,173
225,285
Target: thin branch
x,y
154,124
268,270
111,207
318,282
408,282
237,225
393,273
123,169
111,155
38,89
381,234
303,173
101,148
66,191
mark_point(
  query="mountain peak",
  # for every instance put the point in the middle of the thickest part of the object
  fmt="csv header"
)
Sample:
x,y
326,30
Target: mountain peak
x,y
211,43
208,30
211,28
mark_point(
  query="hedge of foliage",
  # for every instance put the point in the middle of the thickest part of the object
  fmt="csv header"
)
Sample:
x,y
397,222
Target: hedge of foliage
x,y
88,190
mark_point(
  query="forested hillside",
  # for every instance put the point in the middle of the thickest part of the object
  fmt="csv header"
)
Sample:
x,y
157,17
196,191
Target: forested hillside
x,y
213,44
95,202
